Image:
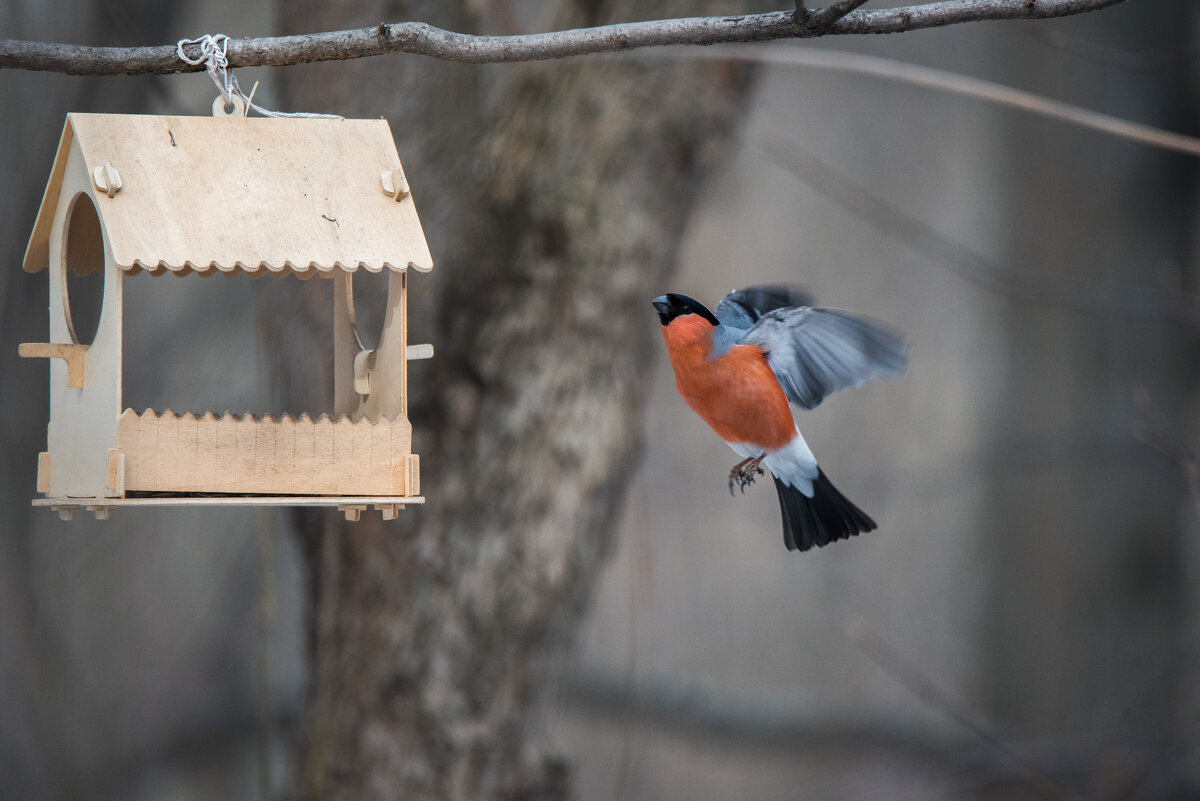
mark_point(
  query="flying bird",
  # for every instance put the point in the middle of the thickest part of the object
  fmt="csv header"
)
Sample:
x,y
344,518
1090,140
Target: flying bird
x,y
739,368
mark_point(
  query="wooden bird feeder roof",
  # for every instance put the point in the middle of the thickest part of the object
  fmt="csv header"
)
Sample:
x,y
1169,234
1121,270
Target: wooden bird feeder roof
x,y
230,194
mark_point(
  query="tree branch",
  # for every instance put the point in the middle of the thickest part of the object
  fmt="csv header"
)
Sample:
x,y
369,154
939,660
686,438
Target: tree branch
x,y
422,39
821,21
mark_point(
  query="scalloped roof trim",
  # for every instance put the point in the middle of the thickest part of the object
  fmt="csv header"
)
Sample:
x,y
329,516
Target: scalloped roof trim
x,y
265,268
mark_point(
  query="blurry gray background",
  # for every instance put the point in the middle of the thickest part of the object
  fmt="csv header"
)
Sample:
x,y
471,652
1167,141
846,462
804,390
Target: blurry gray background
x,y
1028,604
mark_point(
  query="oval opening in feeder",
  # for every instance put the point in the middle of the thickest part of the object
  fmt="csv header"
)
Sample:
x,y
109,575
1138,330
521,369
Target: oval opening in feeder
x,y
83,270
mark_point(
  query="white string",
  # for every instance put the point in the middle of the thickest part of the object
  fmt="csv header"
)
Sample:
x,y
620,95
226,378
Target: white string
x,y
213,48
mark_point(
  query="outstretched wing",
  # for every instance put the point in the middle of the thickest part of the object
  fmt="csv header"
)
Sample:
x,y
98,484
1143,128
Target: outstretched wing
x,y
742,308
815,352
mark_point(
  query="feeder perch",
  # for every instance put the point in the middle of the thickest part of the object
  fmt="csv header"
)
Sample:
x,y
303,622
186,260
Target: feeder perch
x,y
181,195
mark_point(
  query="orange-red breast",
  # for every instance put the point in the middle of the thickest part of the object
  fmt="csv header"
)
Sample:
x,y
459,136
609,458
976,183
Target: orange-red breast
x,y
739,368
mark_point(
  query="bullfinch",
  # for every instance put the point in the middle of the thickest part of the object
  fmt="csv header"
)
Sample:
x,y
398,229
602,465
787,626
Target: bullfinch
x,y
739,368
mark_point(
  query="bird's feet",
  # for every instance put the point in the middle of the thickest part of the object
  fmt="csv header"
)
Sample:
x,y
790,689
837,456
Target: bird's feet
x,y
744,471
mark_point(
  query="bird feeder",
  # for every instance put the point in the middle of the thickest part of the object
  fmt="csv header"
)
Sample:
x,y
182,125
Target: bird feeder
x,y
204,195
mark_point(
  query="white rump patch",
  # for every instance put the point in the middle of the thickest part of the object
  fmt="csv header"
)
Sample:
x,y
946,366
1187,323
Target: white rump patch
x,y
793,464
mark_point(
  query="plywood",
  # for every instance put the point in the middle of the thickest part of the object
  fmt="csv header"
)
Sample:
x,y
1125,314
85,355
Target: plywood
x,y
43,474
116,472
72,354
382,502
83,420
249,194
172,453
389,361
37,251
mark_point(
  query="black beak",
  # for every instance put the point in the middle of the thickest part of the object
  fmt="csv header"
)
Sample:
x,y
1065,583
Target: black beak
x,y
666,310
672,305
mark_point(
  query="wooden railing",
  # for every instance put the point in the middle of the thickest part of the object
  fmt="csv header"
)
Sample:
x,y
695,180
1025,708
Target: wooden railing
x,y
285,456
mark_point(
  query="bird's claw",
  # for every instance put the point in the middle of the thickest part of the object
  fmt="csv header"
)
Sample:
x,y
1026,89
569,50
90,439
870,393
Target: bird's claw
x,y
743,474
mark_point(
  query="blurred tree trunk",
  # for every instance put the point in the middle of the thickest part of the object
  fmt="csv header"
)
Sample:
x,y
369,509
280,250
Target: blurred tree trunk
x,y
554,199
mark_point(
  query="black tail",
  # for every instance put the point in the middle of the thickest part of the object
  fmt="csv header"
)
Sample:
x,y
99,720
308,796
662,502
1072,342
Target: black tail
x,y
824,518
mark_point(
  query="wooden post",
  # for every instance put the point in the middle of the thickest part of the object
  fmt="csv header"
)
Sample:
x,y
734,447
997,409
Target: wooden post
x,y
345,347
83,420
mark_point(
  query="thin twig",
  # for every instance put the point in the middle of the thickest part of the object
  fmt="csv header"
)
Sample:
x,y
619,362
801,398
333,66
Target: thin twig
x,y
907,674
953,83
1028,285
1120,57
423,39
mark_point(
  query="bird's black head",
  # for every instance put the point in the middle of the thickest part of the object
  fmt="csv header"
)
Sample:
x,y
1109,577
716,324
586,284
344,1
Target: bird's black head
x,y
672,305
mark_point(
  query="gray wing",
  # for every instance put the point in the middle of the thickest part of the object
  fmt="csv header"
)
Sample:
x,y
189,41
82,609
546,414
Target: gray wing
x,y
741,309
815,352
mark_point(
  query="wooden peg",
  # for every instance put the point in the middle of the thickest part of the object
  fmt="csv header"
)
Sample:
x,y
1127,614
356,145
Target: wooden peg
x,y
71,354
250,99
364,363
394,184
353,510
412,352
66,511
107,179
101,512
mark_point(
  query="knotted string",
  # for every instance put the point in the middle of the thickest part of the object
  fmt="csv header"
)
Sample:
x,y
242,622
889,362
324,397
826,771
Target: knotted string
x,y
213,48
